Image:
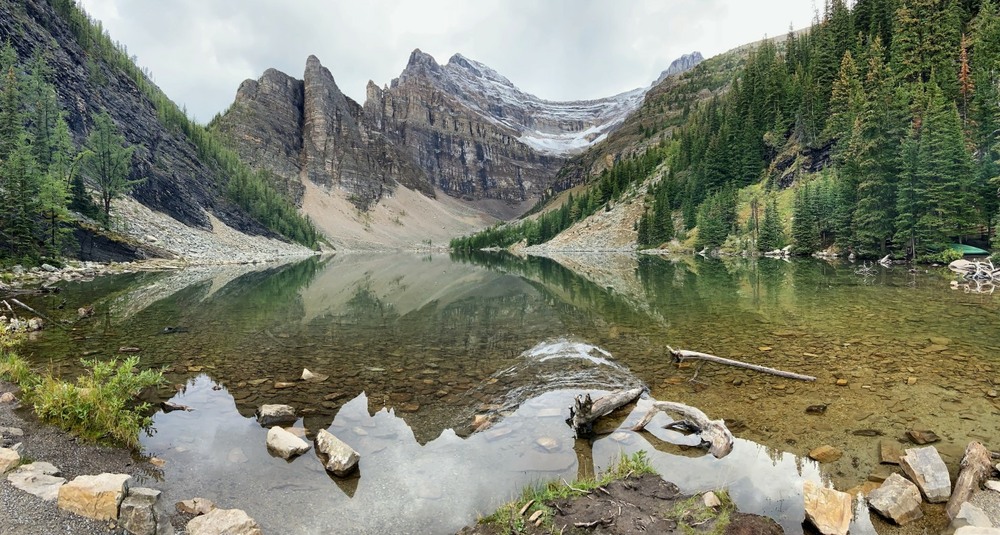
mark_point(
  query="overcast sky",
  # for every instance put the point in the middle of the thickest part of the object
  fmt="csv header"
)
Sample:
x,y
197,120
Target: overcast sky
x,y
200,50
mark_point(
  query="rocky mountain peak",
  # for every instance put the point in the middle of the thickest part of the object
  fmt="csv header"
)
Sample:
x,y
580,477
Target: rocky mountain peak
x,y
681,64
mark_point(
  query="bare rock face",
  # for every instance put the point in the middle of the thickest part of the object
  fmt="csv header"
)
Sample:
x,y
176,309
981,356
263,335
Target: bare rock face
x,y
309,130
96,497
264,125
897,499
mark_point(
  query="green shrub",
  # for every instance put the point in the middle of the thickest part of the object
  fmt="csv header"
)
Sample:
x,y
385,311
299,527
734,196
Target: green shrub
x,y
100,406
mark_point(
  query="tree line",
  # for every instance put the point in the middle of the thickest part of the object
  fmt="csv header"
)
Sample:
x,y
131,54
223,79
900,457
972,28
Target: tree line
x,y
885,116
608,188
42,173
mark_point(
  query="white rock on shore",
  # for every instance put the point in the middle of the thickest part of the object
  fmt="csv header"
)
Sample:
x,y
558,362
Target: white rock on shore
x,y
223,522
9,459
897,499
38,479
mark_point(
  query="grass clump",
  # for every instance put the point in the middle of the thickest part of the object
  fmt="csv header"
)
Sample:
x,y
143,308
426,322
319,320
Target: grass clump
x,y
100,406
509,520
692,513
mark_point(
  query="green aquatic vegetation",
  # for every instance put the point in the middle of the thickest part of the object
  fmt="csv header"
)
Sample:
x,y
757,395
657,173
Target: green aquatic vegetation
x,y
692,513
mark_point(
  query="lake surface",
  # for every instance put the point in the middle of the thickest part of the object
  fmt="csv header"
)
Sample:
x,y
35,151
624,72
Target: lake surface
x,y
415,347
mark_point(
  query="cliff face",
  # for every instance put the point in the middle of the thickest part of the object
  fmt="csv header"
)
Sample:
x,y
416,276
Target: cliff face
x,y
308,129
176,181
461,128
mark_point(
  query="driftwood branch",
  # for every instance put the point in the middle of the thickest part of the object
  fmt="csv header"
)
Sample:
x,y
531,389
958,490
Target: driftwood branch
x,y
713,433
975,469
681,355
585,411
33,311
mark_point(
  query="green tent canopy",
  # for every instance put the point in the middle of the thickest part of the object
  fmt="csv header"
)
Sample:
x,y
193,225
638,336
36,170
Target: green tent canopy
x,y
967,249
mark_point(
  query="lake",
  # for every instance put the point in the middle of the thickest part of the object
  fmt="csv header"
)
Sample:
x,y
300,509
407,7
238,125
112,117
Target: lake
x,y
415,347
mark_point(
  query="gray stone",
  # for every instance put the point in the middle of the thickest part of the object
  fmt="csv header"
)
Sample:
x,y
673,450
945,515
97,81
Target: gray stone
x,y
223,522
195,506
11,432
96,497
897,499
925,467
284,444
49,267
341,459
38,479
970,515
9,459
828,509
993,485
269,415
142,514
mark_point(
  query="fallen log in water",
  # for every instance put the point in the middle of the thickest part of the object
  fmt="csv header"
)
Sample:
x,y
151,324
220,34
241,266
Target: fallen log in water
x,y
976,468
585,411
681,355
713,433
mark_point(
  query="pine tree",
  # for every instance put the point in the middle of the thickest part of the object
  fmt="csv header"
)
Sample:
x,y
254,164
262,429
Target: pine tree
x,y
771,236
108,162
805,227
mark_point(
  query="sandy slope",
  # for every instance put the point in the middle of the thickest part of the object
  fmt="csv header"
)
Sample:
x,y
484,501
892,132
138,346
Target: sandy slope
x,y
404,220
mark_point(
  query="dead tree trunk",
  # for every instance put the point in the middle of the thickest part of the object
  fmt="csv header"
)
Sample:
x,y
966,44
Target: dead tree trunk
x,y
681,355
975,468
585,411
713,433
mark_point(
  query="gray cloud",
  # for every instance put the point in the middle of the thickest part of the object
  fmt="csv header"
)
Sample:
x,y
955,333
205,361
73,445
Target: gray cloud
x,y
200,50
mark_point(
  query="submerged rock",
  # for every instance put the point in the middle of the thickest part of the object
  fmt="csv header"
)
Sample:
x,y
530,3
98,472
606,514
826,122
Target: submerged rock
x,y
270,415
925,467
223,521
284,444
897,499
922,436
340,459
825,454
828,509
96,497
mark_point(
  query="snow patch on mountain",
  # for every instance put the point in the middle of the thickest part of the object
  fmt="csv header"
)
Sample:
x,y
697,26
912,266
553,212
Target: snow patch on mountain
x,y
559,128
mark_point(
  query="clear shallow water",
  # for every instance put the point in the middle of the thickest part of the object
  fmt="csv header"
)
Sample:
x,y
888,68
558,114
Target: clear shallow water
x,y
439,340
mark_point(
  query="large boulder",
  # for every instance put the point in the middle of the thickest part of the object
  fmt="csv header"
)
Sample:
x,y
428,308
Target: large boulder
x,y
142,514
269,415
925,467
340,459
828,509
38,479
223,522
96,497
897,499
9,459
284,444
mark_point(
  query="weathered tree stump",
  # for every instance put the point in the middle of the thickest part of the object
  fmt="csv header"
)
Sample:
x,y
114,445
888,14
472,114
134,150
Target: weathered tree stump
x,y
976,467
